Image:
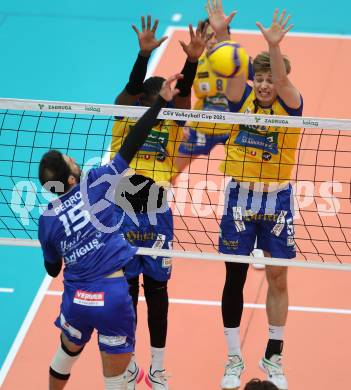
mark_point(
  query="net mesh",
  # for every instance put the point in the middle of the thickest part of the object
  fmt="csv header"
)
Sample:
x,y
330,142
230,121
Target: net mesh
x,y
320,179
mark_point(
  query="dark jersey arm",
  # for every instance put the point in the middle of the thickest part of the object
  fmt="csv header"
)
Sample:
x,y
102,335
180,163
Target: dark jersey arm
x,y
134,88
53,268
140,131
183,99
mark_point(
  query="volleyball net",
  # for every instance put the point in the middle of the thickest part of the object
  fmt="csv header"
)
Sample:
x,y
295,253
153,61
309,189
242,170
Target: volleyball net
x,y
320,176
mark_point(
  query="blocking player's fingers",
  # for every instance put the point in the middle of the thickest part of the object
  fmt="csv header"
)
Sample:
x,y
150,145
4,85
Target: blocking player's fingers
x,y
154,27
289,28
148,25
209,37
231,16
204,27
282,16
183,45
275,15
199,29
143,23
134,27
175,92
173,78
209,7
286,21
160,41
208,10
191,31
259,25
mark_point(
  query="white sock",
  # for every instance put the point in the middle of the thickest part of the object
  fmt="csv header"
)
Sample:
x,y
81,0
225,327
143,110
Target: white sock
x,y
119,382
276,332
232,336
132,363
157,359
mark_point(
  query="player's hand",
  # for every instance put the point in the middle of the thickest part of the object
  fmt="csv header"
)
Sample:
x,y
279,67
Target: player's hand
x,y
146,37
197,43
276,32
219,21
167,91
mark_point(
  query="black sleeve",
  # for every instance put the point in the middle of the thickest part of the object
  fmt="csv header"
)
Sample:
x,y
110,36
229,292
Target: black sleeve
x,y
53,269
189,72
140,131
137,75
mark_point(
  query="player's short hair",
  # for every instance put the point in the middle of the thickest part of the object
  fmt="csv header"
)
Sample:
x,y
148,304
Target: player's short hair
x,y
257,384
54,168
262,63
207,21
152,85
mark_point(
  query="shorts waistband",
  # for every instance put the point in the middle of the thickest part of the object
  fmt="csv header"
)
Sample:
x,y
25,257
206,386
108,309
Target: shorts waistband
x,y
262,187
116,274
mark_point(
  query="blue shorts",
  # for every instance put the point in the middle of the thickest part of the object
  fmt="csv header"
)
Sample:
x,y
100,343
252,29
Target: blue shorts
x,y
199,143
104,305
146,234
267,217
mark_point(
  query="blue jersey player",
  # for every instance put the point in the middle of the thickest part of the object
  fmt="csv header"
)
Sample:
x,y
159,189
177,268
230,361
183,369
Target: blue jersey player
x,y
80,228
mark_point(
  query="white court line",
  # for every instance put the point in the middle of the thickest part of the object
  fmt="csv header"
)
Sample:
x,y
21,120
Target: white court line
x,y
7,290
306,309
24,328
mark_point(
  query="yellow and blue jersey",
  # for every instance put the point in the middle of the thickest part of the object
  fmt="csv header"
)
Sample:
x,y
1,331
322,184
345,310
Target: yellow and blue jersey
x,y
209,90
156,158
261,153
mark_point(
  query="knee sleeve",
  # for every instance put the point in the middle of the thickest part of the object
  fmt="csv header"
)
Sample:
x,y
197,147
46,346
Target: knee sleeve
x,y
233,297
63,361
156,295
119,382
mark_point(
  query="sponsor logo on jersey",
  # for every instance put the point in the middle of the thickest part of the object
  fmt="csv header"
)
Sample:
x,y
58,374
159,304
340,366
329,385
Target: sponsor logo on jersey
x,y
251,136
69,328
112,341
89,298
203,75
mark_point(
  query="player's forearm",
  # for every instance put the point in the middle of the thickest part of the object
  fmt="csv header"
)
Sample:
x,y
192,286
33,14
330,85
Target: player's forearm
x,y
140,131
279,75
189,72
138,74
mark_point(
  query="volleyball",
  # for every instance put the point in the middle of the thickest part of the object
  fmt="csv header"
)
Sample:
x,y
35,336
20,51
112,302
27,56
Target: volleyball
x,y
227,59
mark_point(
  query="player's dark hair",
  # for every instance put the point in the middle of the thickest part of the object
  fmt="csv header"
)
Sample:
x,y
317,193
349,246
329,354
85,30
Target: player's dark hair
x,y
262,63
257,384
54,168
207,21
152,86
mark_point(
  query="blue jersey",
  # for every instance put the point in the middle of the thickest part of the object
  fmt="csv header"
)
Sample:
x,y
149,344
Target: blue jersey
x,y
82,227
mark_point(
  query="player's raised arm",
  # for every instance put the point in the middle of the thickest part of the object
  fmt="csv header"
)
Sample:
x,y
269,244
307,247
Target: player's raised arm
x,y
193,50
140,131
147,43
219,22
274,35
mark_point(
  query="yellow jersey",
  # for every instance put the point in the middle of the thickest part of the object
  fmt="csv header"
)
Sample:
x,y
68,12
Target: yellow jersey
x,y
209,90
261,153
156,158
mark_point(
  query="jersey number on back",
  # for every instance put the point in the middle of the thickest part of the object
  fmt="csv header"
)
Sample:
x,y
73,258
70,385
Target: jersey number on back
x,y
74,215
